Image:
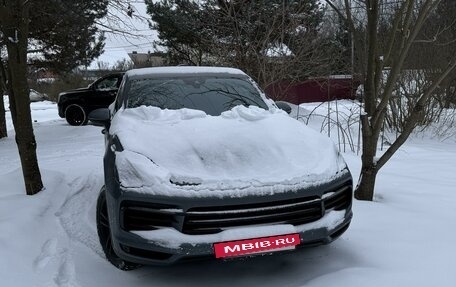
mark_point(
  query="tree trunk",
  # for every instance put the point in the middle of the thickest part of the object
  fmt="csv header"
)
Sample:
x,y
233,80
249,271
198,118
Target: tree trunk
x,y
366,184
365,188
3,131
18,92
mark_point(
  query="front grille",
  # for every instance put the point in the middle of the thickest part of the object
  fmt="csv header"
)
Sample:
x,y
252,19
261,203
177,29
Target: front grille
x,y
206,220
338,200
145,216
213,219
145,253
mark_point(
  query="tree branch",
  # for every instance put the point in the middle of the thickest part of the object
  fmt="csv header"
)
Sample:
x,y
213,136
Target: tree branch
x,y
337,10
394,30
414,117
406,43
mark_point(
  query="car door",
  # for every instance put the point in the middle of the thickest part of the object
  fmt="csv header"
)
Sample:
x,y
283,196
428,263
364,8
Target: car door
x,y
105,90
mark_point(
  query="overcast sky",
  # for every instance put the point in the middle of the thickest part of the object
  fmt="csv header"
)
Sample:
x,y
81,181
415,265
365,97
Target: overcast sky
x,y
117,46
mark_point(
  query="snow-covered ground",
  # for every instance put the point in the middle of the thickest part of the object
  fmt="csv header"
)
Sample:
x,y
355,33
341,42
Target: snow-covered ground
x,y
405,238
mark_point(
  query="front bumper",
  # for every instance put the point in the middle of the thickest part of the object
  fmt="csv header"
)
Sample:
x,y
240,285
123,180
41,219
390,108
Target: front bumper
x,y
61,111
170,245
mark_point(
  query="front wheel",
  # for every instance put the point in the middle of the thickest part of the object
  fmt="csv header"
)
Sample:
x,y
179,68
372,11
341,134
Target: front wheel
x,y
104,234
75,115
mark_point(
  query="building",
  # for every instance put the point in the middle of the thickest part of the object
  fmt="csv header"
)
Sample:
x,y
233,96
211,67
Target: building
x,y
147,59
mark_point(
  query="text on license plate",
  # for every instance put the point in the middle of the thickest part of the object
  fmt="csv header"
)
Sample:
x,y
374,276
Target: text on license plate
x,y
256,245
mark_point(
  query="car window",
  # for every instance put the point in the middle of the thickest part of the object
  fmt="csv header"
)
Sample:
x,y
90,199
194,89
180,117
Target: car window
x,y
118,100
213,95
107,84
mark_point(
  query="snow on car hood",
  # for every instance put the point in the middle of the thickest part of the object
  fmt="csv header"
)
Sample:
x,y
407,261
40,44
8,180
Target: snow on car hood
x,y
187,151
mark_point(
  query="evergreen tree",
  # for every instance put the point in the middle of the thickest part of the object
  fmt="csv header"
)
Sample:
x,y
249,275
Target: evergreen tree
x,y
180,27
63,33
264,38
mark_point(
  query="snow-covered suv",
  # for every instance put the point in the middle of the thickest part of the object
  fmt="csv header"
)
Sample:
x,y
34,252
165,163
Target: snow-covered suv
x,y
199,163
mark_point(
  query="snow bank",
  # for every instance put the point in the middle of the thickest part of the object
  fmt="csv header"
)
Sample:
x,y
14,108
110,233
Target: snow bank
x,y
245,150
42,111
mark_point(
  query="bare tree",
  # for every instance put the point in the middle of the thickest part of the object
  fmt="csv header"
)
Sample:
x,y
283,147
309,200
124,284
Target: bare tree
x,y
388,48
15,27
289,45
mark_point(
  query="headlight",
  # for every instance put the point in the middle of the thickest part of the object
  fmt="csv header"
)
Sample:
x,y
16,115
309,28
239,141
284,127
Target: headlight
x,y
136,171
341,164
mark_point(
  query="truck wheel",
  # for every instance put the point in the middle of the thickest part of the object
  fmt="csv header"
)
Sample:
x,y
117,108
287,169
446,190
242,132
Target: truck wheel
x,y
104,234
75,115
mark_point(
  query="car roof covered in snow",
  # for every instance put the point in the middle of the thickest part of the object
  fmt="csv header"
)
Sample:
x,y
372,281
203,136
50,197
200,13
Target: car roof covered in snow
x,y
183,70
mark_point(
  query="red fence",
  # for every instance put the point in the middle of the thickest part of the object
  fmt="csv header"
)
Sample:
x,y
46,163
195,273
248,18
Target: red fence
x,y
314,90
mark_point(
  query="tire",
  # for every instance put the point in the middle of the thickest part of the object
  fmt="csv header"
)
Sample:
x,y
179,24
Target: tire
x,y
75,115
104,234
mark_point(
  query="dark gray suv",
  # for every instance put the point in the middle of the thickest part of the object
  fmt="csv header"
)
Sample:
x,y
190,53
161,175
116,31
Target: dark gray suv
x,y
200,164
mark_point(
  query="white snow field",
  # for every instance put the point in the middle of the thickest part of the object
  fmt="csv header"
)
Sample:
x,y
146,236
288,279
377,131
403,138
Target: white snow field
x,y
406,237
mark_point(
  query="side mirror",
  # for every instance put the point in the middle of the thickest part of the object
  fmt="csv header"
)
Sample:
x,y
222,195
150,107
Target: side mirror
x,y
283,106
100,117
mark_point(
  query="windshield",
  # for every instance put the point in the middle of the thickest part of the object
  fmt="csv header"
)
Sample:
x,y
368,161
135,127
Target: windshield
x,y
213,95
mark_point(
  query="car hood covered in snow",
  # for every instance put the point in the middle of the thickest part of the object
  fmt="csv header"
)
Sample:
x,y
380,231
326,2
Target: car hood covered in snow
x,y
189,152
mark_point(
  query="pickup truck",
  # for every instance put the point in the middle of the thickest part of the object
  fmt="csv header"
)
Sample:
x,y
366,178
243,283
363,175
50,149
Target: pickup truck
x,y
75,105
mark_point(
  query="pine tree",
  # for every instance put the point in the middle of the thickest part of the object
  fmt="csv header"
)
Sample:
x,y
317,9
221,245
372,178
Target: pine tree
x,y
242,34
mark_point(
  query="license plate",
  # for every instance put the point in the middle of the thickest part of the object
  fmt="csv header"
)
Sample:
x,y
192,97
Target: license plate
x,y
256,245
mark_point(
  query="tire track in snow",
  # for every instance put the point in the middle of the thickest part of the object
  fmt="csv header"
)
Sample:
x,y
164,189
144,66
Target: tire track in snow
x,y
66,274
48,251
63,268
77,213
